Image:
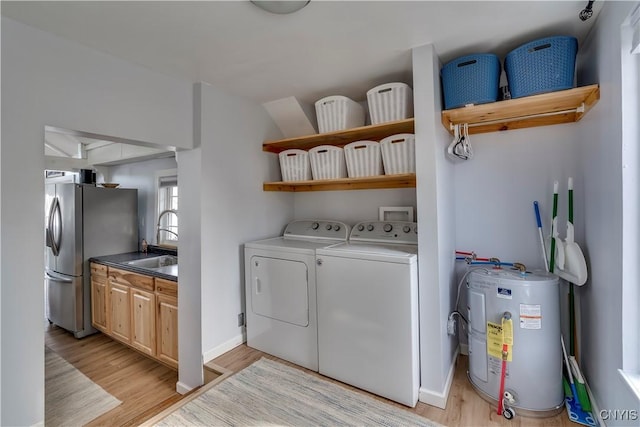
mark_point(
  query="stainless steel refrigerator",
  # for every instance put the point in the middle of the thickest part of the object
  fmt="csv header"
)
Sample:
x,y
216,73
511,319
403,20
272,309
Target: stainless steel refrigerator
x,y
83,221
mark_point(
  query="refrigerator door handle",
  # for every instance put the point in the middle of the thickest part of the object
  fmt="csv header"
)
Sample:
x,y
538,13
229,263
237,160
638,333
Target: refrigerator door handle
x,y
49,231
57,278
50,223
49,238
54,213
64,304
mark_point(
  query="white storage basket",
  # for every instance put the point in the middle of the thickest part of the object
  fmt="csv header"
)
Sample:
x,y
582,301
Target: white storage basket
x,y
398,154
294,165
363,159
327,162
338,113
390,102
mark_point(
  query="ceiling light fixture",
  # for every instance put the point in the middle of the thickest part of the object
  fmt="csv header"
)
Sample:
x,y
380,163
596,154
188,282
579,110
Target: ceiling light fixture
x,y
280,7
587,12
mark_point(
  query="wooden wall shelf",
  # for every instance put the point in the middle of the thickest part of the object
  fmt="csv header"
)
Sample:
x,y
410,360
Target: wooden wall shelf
x,y
564,106
370,182
341,138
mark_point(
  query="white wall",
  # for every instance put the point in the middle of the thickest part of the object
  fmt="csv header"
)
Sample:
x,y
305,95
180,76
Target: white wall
x,y
49,81
190,325
142,175
235,210
495,191
350,206
86,90
435,195
601,158
631,197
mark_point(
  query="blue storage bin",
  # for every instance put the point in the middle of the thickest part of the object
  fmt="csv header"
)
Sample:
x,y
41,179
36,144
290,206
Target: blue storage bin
x,y
543,65
471,79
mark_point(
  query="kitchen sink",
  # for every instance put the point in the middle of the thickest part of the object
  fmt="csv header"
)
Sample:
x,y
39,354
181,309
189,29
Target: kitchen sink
x,y
155,262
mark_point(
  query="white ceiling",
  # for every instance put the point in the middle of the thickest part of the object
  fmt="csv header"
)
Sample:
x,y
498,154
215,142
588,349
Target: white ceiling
x,y
327,48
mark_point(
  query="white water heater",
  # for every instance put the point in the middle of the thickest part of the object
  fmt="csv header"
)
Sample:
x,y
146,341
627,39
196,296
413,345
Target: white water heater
x,y
533,375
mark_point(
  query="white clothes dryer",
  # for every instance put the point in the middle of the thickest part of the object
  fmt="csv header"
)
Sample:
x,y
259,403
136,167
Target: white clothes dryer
x,y
280,290
368,310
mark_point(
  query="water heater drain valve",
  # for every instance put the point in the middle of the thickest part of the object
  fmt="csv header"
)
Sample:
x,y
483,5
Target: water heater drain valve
x,y
509,398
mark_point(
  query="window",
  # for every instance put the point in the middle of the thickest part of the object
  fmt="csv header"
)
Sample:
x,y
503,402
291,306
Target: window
x,y
167,224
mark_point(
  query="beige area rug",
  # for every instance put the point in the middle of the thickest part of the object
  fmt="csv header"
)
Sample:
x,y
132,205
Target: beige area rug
x,y
71,399
270,393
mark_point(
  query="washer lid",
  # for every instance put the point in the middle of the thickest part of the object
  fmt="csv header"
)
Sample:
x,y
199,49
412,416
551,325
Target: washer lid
x,y
372,251
284,244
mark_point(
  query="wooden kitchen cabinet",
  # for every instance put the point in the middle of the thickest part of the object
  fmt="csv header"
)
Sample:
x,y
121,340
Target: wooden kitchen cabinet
x,y
143,321
167,332
120,312
167,287
138,310
128,278
122,284
99,292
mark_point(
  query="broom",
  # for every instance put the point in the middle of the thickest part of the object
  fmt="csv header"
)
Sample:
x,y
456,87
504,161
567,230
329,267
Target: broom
x,y
581,389
574,392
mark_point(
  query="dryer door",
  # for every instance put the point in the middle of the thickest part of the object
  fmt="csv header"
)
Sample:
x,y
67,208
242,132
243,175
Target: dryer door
x,y
280,289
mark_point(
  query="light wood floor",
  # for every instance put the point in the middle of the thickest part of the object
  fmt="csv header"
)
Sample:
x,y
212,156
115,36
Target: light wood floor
x,y
146,387
464,407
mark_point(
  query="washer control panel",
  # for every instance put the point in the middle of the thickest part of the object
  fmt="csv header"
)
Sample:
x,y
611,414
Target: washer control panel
x,y
385,231
320,229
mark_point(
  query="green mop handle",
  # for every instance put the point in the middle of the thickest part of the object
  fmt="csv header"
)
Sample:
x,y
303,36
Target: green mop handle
x,y
572,309
552,252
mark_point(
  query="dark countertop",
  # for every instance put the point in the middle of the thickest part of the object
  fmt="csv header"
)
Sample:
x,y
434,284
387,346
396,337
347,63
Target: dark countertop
x,y
169,272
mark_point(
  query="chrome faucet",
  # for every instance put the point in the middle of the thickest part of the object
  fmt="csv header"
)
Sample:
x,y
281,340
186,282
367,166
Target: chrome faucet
x,y
159,229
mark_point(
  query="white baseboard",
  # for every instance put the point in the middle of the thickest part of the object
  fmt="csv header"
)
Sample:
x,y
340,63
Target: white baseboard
x,y
182,388
224,347
439,399
595,409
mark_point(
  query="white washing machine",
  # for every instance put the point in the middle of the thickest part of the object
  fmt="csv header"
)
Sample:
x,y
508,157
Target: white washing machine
x,y
368,310
280,289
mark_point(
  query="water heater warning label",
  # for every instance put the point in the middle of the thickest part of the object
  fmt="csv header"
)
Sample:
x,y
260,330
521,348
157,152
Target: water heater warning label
x,y
530,316
495,339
